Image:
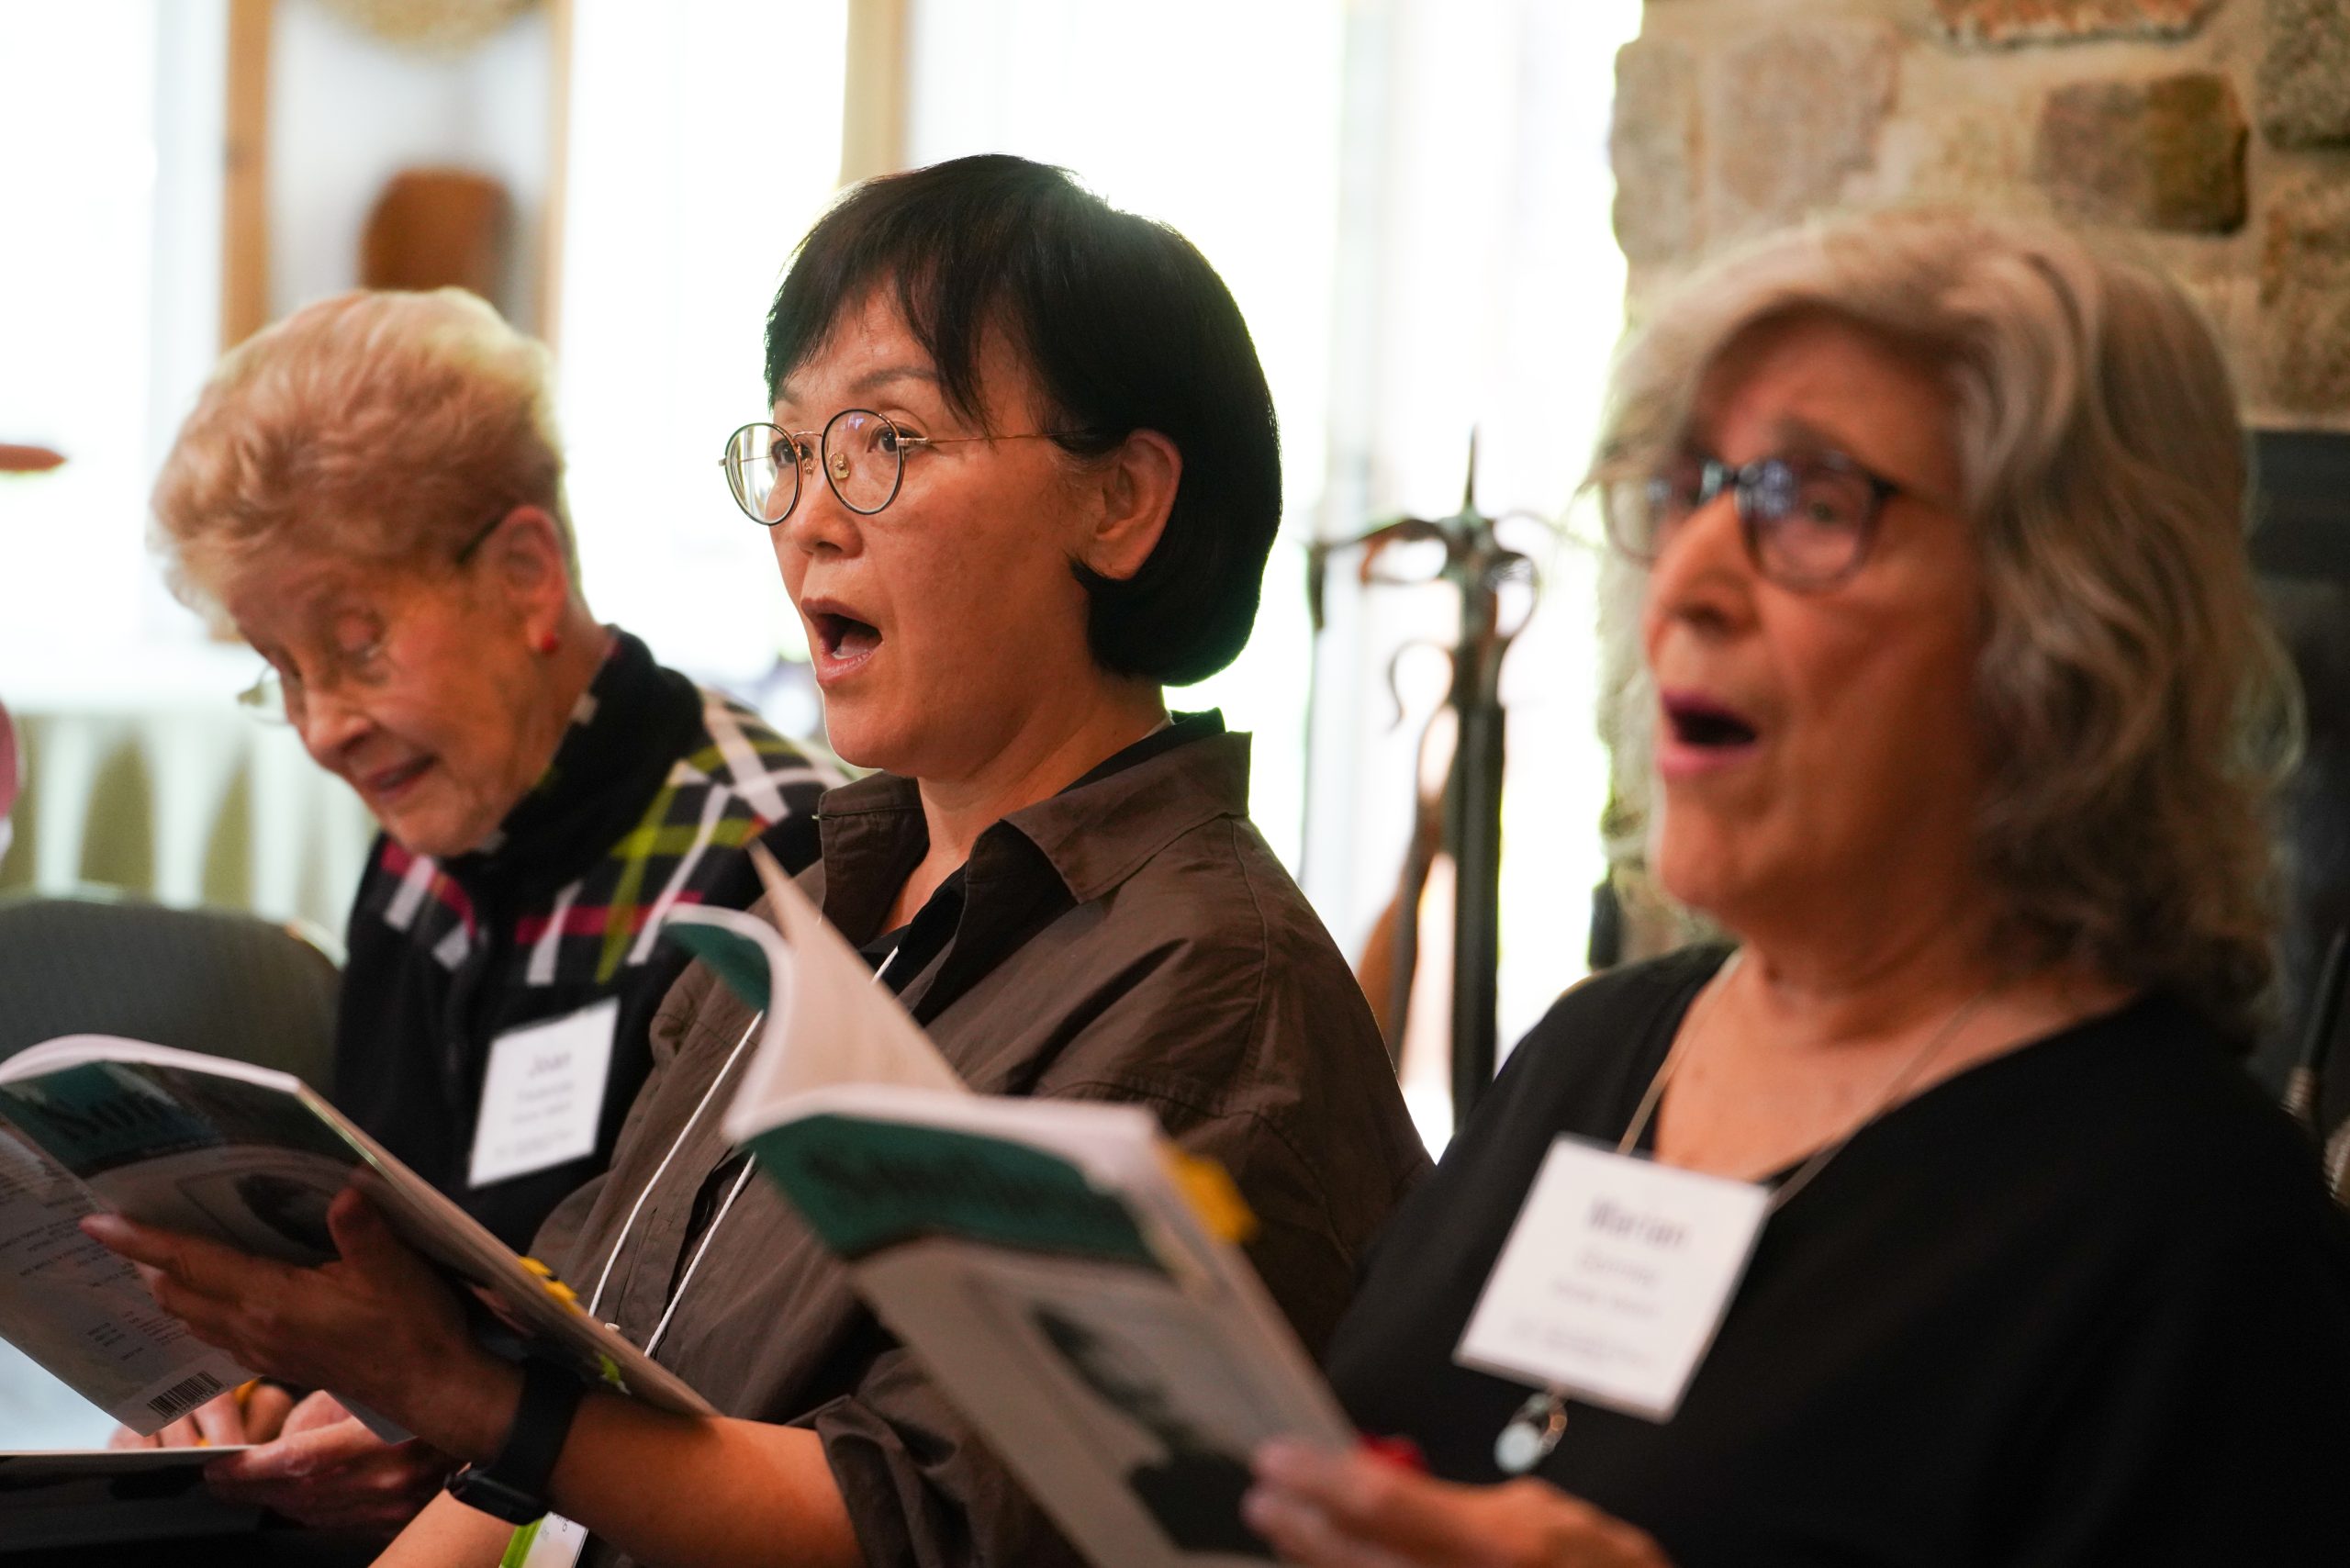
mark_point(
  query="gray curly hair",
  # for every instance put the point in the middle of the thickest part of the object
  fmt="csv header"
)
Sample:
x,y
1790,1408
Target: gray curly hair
x,y
2141,710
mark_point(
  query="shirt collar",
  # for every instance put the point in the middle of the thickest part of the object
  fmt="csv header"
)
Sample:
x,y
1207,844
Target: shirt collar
x,y
1093,834
1098,831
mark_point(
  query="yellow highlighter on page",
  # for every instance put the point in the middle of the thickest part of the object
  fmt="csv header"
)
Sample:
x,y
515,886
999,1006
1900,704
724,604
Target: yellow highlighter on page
x,y
552,1283
1214,1197
549,1280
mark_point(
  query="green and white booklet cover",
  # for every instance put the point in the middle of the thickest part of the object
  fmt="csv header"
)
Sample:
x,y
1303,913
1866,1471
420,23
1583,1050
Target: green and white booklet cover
x,y
243,1156
1068,1277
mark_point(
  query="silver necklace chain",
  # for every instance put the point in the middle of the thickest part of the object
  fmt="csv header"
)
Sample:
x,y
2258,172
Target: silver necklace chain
x,y
1962,1015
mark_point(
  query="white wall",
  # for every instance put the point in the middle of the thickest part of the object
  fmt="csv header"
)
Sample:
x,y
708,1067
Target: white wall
x,y
1226,124
705,139
347,111
1409,200
108,309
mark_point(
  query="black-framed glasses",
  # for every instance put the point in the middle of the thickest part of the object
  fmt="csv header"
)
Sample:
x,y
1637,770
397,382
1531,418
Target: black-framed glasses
x,y
1808,518
364,659
862,453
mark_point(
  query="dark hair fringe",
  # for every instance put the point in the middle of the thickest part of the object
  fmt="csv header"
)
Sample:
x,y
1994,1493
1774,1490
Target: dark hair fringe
x,y
1126,326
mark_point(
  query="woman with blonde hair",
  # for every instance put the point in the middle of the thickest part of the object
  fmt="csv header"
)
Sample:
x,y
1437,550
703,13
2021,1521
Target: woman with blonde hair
x,y
1933,1223
372,492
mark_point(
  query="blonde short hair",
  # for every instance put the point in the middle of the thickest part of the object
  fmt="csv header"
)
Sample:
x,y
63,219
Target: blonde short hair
x,y
2140,710
383,426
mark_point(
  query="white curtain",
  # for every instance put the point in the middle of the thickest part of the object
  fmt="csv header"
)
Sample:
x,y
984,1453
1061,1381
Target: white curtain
x,y
1409,200
705,138
138,771
1225,118
1485,293
109,284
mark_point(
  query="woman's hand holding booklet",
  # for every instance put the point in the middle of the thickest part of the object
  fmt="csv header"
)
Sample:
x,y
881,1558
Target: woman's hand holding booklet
x,y
1071,1278
219,1173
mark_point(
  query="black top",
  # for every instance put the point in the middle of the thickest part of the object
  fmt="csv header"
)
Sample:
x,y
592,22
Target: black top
x,y
653,792
2086,1302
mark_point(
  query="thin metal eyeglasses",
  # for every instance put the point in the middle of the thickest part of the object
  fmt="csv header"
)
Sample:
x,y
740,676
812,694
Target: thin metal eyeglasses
x,y
863,454
277,697
1807,518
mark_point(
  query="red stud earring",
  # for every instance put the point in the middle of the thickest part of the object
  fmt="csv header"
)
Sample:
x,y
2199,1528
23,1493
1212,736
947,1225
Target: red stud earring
x,y
548,642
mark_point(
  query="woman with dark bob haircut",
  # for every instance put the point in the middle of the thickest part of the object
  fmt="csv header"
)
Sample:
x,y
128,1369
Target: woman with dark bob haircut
x,y
1021,470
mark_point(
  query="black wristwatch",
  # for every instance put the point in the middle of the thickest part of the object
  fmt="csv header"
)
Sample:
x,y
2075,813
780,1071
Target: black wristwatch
x,y
513,1485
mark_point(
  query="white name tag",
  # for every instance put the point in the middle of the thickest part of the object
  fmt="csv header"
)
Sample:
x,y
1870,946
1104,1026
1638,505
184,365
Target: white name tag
x,y
543,1093
553,1542
1615,1278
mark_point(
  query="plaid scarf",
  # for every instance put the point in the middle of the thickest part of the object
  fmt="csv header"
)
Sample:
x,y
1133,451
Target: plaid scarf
x,y
730,780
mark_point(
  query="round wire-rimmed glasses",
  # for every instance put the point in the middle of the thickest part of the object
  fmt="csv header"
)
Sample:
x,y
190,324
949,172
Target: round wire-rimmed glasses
x,y
863,456
1807,518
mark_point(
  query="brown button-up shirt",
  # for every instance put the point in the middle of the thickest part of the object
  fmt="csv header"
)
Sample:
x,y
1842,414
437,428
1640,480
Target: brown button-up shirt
x,y
1131,938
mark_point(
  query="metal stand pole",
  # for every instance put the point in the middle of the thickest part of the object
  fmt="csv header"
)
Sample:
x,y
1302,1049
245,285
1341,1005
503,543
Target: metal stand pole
x,y
1473,835
1478,566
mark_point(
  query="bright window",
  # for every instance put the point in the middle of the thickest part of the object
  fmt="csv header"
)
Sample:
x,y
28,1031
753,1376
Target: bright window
x,y
705,138
1409,200
1229,126
108,321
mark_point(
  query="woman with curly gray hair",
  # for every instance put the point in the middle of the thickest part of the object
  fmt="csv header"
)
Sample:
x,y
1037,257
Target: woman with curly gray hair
x,y
1934,1222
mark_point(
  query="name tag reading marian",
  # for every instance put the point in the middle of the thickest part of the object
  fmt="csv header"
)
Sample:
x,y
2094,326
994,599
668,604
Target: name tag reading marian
x,y
543,1094
1614,1279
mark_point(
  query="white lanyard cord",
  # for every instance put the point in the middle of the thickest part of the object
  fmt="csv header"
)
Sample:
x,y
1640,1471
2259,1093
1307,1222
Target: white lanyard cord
x,y
595,1297
708,1235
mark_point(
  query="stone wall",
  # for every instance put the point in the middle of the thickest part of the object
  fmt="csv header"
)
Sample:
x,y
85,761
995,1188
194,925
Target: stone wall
x,y
2216,130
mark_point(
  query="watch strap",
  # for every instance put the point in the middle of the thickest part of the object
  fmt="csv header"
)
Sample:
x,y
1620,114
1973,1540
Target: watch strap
x,y
513,1485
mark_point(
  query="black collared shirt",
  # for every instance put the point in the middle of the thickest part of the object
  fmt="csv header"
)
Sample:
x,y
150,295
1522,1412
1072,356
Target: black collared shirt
x,y
1131,938
899,956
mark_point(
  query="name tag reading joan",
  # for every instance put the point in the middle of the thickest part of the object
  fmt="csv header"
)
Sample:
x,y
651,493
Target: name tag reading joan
x,y
1614,1279
543,1093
